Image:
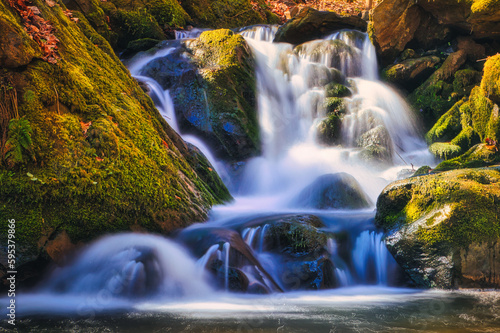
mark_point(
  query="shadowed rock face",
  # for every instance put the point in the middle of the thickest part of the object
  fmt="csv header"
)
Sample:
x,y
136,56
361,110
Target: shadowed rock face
x,y
443,228
338,191
311,24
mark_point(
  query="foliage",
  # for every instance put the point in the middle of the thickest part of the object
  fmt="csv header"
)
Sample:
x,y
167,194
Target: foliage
x,y
19,147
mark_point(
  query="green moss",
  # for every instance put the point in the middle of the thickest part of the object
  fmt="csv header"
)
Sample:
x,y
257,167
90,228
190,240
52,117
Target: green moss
x,y
337,90
460,207
105,158
167,12
465,80
228,77
329,130
477,156
423,170
334,105
445,150
447,127
491,78
228,13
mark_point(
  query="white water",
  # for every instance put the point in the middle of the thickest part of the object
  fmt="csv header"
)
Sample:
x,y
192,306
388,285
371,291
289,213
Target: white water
x,y
290,104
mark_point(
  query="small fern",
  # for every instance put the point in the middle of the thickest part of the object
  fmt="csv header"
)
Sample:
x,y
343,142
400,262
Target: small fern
x,y
19,144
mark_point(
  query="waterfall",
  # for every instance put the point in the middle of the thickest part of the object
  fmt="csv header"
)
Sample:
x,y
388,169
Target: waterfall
x,y
370,250
130,265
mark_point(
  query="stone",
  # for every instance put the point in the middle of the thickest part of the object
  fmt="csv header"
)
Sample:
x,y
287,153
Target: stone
x,y
334,191
16,48
311,24
411,73
443,228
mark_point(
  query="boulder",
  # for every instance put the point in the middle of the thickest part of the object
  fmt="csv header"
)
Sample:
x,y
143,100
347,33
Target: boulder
x,y
411,72
376,145
96,157
311,24
477,156
334,191
16,48
301,249
443,228
330,129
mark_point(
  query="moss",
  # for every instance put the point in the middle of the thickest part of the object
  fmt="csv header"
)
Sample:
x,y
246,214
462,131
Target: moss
x,y
334,105
445,150
484,7
228,13
491,78
167,12
447,127
228,76
423,170
465,80
461,206
479,112
329,130
337,90
105,158
477,156
137,24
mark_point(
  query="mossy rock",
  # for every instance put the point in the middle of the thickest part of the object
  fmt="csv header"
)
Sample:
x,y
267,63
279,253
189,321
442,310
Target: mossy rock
x,y
335,89
104,158
430,219
411,72
227,87
436,96
335,105
376,146
478,156
330,130
228,13
465,80
423,170
445,150
447,127
490,82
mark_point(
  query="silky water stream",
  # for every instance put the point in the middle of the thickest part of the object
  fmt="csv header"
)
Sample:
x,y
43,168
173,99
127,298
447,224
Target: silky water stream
x,y
331,272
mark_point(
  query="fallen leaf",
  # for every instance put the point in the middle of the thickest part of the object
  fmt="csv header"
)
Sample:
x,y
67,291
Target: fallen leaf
x,y
51,3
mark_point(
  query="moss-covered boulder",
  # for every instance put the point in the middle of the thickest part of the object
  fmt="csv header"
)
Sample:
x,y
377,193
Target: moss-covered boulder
x,y
477,156
212,82
442,228
434,97
311,24
87,153
334,191
329,131
411,72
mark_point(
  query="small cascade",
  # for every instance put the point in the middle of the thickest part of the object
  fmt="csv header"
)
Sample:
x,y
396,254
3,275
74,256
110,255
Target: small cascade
x,y
370,256
225,255
205,259
130,265
249,234
344,278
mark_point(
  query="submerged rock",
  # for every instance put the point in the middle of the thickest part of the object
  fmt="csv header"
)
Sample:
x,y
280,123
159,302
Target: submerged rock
x,y
376,145
311,24
334,191
443,228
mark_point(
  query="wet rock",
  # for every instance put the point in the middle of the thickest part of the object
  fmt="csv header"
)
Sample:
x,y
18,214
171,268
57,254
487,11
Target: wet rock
x,y
242,260
442,228
479,155
411,72
376,145
334,191
311,24
329,130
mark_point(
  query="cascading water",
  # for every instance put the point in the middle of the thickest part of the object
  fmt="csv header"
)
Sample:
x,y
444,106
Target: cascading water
x,y
245,247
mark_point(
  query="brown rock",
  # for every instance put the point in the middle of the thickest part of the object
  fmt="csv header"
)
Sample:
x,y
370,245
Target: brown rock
x,y
474,50
480,265
311,24
59,247
411,71
16,48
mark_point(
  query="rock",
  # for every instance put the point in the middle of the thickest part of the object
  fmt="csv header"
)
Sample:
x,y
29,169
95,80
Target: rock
x,y
477,156
411,72
442,228
335,89
229,14
376,145
447,127
241,258
445,150
423,170
223,114
16,48
311,24
301,248
337,191
434,97
489,82
101,159
329,130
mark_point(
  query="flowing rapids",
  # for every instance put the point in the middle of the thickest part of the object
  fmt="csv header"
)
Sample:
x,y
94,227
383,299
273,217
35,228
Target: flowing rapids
x,y
165,282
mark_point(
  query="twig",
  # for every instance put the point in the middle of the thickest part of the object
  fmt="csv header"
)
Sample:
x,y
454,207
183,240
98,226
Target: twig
x,y
57,101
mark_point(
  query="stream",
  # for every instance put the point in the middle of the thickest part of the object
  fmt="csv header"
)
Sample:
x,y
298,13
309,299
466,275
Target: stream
x,y
231,274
